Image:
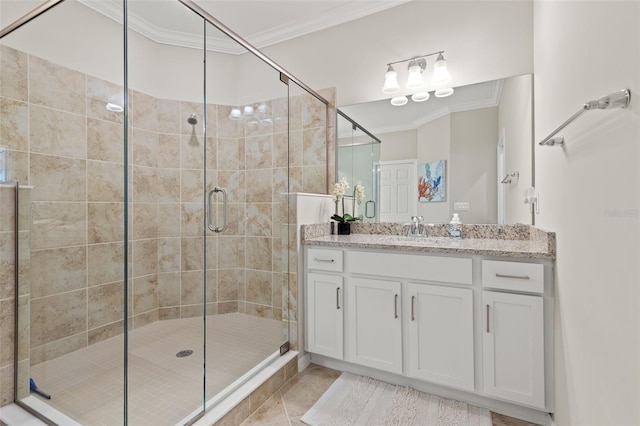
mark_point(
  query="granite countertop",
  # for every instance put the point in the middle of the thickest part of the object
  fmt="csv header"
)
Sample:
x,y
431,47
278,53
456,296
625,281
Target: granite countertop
x,y
519,241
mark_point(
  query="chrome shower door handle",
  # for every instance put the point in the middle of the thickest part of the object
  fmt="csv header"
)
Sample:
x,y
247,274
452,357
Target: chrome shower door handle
x,y
366,209
224,210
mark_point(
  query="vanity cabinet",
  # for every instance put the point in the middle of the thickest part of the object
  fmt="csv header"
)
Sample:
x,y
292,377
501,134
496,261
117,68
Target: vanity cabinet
x,y
478,328
513,333
374,323
441,335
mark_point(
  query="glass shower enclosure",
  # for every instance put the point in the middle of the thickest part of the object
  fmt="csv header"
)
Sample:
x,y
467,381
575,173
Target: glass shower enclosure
x,y
155,151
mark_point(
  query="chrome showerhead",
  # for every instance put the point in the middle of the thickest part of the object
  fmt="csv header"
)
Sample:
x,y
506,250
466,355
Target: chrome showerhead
x,y
193,119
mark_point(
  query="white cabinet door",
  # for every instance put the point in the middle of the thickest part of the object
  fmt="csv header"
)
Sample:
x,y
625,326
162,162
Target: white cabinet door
x,y
441,335
374,323
513,347
324,315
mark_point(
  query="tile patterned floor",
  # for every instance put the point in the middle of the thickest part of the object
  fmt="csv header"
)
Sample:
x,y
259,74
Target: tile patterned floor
x,y
286,406
87,384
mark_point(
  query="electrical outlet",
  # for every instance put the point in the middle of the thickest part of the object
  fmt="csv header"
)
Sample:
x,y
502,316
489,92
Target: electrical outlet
x,y
461,206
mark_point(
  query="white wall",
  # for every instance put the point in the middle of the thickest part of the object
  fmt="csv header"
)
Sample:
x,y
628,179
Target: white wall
x,y
472,171
590,196
483,40
398,145
515,117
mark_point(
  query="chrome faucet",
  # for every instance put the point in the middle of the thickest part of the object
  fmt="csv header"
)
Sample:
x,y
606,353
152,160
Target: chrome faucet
x,y
417,228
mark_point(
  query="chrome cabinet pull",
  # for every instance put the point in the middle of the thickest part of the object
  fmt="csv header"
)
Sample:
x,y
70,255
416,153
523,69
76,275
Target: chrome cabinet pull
x,y
487,318
366,209
324,260
516,277
338,298
210,209
413,302
395,306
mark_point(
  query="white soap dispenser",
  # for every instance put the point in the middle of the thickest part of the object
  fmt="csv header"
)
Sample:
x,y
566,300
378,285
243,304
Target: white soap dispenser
x,y
455,227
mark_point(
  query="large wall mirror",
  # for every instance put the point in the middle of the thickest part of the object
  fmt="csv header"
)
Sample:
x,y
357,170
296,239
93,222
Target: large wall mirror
x,y
471,151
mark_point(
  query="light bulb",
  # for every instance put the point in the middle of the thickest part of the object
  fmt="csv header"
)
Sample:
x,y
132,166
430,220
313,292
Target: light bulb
x,y
235,114
420,97
248,110
443,93
414,81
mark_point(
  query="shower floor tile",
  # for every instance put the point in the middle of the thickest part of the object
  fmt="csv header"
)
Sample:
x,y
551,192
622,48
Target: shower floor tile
x,y
87,385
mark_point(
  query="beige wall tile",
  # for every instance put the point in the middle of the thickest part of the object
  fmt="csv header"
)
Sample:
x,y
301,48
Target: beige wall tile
x,y
145,220
295,179
228,284
145,318
212,152
145,294
144,184
279,183
314,146
145,258
6,385
191,152
19,167
314,179
231,252
105,263
105,181
58,270
105,304
168,116
314,112
24,327
56,132
7,264
259,184
280,150
279,284
105,332
191,287
144,147
57,178
13,73
6,331
168,254
105,222
191,186
14,124
192,253
169,289
168,188
259,221
234,183
296,148
105,141
168,313
280,109
99,93
59,316
169,220
227,307
58,224
259,253
192,217
168,151
228,128
230,154
259,152
259,287
56,87
144,111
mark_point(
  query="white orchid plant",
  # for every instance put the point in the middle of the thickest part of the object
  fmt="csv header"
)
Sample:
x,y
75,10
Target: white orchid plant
x,y
340,188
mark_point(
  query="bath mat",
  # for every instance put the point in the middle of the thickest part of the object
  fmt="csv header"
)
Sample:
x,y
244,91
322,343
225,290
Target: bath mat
x,y
358,400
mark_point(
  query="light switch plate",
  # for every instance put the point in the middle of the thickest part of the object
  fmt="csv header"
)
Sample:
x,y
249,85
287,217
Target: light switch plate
x,y
461,206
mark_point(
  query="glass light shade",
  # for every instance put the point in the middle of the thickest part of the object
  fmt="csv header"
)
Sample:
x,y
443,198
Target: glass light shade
x,y
440,73
390,82
235,114
399,100
248,110
443,93
415,78
420,96
114,107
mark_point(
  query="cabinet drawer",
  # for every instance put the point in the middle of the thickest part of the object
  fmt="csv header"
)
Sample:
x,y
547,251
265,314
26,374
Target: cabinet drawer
x,y
324,260
419,267
513,276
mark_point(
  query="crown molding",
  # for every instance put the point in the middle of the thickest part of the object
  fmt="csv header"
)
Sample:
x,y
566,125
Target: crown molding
x,y
336,16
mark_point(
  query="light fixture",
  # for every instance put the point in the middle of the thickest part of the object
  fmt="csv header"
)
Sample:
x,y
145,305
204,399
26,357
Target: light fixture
x,y
248,111
443,93
399,100
391,85
235,114
440,73
420,96
415,83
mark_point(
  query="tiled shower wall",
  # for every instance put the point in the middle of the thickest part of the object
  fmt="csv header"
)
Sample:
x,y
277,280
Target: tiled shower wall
x,y
64,143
